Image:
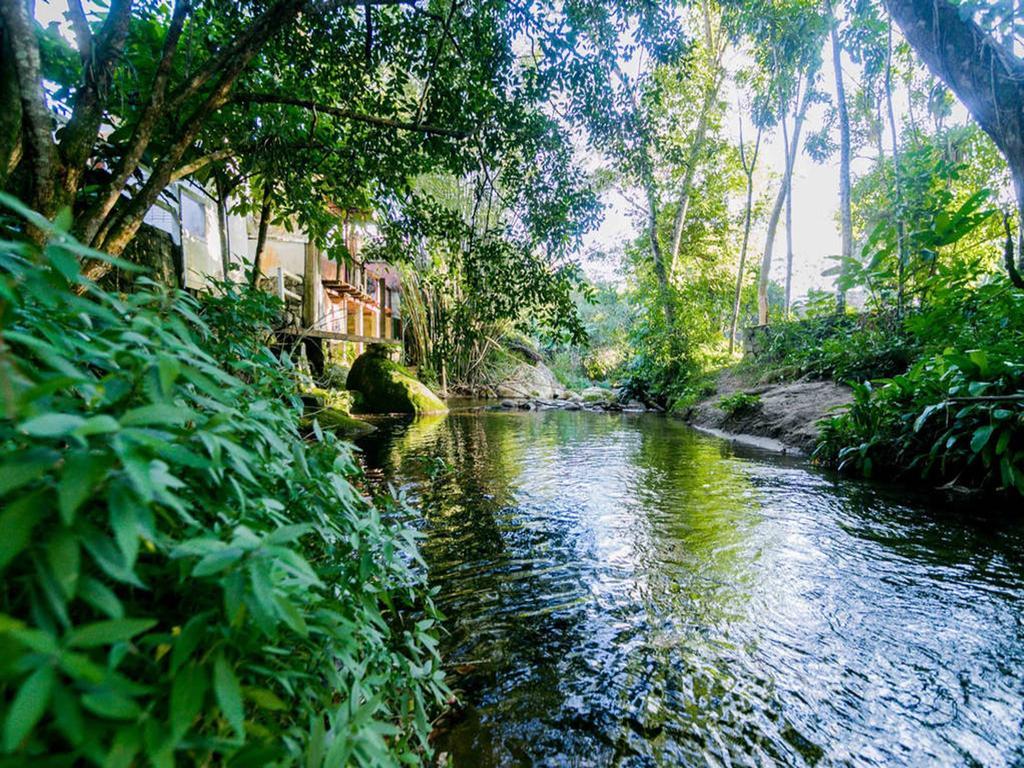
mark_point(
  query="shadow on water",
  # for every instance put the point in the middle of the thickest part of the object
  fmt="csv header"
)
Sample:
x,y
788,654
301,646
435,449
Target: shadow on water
x,y
624,591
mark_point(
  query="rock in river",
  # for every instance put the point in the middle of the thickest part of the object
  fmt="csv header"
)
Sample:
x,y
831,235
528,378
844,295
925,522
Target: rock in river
x,y
384,386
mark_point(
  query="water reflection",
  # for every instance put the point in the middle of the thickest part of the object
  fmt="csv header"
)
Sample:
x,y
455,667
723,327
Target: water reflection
x,y
623,591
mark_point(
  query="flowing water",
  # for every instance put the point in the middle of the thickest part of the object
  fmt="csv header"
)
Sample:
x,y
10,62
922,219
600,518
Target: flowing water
x,y
621,590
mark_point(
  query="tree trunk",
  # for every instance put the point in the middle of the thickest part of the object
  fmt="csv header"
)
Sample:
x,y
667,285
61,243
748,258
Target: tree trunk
x,y
657,257
126,217
261,238
88,224
39,149
789,221
10,110
773,221
699,138
78,137
984,74
901,246
845,216
748,213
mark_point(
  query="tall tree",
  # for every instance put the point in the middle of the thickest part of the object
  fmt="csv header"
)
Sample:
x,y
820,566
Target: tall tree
x,y
790,146
845,152
712,71
748,160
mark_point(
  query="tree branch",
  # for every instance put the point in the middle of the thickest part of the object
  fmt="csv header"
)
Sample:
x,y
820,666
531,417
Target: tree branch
x,y
79,136
80,28
347,114
129,161
201,162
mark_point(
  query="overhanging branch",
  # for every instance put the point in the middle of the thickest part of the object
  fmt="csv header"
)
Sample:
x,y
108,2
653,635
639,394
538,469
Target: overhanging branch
x,y
347,114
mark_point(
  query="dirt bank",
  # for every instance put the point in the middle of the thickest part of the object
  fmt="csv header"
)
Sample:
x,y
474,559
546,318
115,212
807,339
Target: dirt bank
x,y
786,412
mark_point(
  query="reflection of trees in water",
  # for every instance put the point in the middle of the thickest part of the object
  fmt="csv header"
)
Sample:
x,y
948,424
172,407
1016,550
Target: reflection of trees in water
x,y
624,590
986,535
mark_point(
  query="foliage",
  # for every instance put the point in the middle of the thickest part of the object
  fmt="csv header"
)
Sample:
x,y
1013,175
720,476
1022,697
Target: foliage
x,y
955,418
911,216
739,403
840,347
470,278
184,578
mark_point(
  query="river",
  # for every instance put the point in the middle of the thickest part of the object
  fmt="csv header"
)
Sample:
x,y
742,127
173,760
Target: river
x,y
620,590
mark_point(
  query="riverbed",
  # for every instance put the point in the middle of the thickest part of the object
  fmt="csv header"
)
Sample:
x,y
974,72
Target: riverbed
x,y
622,590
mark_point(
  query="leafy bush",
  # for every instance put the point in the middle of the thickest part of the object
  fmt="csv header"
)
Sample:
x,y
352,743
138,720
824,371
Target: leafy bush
x,y
184,579
954,418
739,403
840,347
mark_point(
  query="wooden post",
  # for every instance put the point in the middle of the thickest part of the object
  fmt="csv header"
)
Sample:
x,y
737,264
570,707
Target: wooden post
x,y
344,326
311,287
280,283
359,327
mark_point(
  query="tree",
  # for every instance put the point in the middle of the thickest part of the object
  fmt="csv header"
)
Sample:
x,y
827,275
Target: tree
x,y
787,37
982,71
749,163
790,146
845,221
339,107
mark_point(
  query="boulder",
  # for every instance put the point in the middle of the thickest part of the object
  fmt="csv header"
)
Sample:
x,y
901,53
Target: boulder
x,y
341,424
384,386
529,381
597,395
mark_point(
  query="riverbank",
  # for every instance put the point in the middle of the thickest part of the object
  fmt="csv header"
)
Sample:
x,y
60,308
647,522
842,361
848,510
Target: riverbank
x,y
785,413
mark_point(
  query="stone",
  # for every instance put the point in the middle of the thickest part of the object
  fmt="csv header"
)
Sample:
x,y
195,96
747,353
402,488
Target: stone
x,y
597,395
508,404
341,423
384,386
529,381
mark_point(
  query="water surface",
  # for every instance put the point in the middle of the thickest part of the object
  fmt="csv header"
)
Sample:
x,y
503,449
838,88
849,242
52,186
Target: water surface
x,y
621,590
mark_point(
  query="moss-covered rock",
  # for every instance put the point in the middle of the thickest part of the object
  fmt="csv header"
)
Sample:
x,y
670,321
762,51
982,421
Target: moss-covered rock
x,y
384,386
340,423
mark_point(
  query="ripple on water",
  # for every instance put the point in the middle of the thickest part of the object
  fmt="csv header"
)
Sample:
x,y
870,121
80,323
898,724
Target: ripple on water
x,y
623,591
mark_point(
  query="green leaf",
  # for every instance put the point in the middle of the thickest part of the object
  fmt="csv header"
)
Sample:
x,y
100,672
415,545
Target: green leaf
x,y
23,468
158,414
82,472
52,425
215,562
187,695
981,437
98,425
28,706
110,705
64,557
108,632
265,699
17,522
229,695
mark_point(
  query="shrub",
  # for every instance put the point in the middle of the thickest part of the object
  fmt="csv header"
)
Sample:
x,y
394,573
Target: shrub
x,y
184,579
954,418
739,403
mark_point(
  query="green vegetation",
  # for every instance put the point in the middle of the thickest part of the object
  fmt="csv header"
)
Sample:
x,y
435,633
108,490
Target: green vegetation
x,y
739,403
185,579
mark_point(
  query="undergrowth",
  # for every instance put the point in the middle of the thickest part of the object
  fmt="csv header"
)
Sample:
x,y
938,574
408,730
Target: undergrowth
x,y
185,580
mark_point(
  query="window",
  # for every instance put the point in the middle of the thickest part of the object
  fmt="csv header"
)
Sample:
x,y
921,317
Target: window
x,y
193,216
